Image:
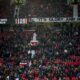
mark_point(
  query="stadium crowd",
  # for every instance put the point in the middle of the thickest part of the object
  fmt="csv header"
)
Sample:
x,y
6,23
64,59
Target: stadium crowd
x,y
50,8
36,8
57,57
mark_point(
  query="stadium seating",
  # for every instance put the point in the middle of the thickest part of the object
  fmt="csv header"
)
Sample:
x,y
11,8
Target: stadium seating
x,y
49,9
36,8
56,57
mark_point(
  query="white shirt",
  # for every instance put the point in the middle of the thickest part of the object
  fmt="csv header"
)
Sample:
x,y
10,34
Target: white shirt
x,y
32,53
16,78
29,51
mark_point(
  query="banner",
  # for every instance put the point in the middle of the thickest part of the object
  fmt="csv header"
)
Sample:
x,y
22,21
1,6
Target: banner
x,y
26,20
21,21
3,21
62,19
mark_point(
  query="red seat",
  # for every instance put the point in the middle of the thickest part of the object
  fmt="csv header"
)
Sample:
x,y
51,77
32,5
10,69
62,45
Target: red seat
x,y
67,78
74,78
36,78
54,78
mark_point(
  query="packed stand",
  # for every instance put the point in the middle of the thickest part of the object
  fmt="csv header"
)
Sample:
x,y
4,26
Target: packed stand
x,y
5,9
49,8
37,8
57,57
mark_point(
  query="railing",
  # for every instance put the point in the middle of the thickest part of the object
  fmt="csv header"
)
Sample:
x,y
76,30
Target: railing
x,y
26,20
